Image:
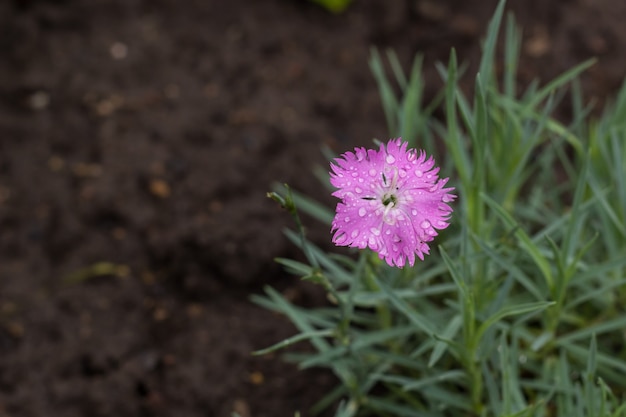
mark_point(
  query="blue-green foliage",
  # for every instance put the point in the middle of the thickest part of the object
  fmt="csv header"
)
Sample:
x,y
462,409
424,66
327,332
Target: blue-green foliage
x,y
521,311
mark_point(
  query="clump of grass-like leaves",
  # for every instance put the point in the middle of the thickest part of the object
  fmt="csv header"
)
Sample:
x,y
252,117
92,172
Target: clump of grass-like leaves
x,y
521,312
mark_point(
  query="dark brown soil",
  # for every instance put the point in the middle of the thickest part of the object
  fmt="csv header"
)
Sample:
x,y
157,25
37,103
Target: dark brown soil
x,y
137,142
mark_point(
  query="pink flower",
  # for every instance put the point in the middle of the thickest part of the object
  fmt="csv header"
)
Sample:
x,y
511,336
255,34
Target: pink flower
x,y
392,201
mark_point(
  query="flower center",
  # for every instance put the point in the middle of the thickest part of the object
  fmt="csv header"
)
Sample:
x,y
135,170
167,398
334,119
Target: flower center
x,y
389,199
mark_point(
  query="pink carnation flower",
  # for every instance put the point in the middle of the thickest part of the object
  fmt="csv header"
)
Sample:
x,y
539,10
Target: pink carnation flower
x,y
392,201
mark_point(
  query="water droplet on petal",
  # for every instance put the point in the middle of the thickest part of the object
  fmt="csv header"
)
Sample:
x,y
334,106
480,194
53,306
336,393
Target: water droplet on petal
x,y
373,172
425,224
358,190
347,219
390,159
354,233
418,173
414,212
375,231
362,211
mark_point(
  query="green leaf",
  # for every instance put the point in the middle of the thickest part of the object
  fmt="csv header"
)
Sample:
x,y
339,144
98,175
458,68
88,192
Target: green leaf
x,y
387,95
292,340
489,48
419,320
444,339
511,310
525,241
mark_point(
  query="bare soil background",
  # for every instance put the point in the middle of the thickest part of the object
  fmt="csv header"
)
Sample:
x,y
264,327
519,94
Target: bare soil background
x,y
137,142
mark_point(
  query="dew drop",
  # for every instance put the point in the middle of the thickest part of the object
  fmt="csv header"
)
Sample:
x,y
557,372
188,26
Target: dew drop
x,y
390,159
414,212
362,211
418,173
375,231
373,172
347,219
358,190
354,233
425,224
402,173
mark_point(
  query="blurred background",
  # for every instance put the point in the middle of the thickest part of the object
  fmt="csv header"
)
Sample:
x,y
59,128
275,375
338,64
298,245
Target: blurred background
x,y
137,142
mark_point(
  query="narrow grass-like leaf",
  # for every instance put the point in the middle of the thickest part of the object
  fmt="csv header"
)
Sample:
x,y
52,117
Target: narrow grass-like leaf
x,y
387,95
604,362
512,43
330,399
410,120
518,274
489,47
525,241
336,272
384,406
596,329
588,380
419,320
448,333
371,299
297,318
558,82
455,273
295,267
512,310
295,339
452,137
308,205
412,384
396,68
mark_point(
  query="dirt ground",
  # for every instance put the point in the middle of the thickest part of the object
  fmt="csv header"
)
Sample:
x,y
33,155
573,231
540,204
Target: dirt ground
x,y
137,142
